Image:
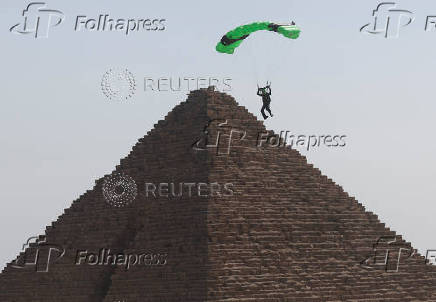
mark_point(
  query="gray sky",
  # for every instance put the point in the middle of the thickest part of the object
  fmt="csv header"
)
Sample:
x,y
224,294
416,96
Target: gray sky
x,y
58,132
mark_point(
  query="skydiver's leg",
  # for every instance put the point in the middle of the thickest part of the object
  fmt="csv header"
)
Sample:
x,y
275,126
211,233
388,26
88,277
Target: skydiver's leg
x,y
263,112
268,109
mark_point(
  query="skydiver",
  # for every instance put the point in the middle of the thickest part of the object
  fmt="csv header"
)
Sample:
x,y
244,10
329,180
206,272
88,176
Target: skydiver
x,y
265,93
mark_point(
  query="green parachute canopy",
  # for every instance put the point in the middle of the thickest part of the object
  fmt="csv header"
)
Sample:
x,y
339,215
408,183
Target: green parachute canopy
x,y
234,38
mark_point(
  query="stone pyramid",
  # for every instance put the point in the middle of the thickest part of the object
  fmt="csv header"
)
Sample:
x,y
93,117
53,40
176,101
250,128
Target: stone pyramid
x,y
198,211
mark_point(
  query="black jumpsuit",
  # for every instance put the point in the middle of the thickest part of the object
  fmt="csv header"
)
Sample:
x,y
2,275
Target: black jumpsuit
x,y
266,99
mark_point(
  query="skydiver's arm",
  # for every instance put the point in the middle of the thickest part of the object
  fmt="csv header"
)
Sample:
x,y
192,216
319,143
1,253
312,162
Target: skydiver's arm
x,y
259,93
269,90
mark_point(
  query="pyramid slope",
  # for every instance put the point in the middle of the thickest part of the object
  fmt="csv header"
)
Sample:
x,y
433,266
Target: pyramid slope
x,y
288,233
295,233
92,224
302,234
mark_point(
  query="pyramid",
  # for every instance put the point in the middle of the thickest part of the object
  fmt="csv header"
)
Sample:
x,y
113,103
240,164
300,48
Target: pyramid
x,y
201,211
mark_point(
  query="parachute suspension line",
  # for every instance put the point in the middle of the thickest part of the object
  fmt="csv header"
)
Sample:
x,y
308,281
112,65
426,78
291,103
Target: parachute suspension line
x,y
233,39
253,62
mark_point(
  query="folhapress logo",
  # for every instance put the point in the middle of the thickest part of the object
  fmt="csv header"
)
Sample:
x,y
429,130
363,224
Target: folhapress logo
x,y
38,20
38,255
388,20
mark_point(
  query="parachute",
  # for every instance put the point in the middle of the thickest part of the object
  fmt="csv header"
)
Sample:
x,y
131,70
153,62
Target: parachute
x,y
234,38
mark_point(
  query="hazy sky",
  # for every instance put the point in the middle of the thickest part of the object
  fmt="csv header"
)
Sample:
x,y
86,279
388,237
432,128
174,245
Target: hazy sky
x,y
58,132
